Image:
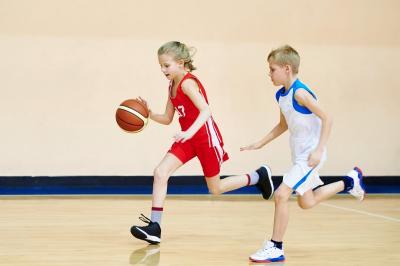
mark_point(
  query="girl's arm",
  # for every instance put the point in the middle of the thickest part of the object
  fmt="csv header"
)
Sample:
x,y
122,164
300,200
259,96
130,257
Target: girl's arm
x,y
190,88
165,118
304,98
273,134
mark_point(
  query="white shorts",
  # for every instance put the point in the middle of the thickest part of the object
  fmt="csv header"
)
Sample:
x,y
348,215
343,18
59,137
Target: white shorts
x,y
302,178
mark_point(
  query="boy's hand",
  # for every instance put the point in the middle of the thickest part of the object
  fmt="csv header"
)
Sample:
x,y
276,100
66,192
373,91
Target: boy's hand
x,y
314,158
254,146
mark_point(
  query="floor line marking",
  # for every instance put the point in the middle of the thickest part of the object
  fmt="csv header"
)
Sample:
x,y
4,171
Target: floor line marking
x,y
362,212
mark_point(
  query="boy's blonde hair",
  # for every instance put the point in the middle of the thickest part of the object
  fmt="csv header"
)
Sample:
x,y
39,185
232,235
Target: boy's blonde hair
x,y
180,52
285,55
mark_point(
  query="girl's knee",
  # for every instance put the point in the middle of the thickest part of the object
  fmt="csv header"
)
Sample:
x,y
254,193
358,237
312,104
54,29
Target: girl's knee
x,y
160,175
215,191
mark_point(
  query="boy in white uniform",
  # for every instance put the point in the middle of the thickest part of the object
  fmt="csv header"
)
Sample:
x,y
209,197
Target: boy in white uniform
x,y
309,128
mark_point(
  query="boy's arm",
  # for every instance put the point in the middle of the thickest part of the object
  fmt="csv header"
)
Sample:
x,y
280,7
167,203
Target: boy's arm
x,y
191,89
304,98
273,134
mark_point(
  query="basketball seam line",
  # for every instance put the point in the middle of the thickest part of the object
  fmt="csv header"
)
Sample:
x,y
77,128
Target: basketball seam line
x,y
126,122
134,112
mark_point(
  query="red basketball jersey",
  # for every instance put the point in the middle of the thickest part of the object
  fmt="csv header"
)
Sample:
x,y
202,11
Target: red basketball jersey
x,y
188,113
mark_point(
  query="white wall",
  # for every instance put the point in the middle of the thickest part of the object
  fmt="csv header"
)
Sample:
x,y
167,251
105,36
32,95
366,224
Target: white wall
x,y
66,65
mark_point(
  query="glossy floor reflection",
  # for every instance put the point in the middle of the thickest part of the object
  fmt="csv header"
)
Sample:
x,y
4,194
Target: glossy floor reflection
x,y
149,256
196,231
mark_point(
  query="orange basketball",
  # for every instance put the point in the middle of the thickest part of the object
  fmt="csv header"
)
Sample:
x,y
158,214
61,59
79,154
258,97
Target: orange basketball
x,y
132,115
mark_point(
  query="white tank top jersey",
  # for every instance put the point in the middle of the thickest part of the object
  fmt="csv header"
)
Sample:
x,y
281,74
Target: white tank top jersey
x,y
304,126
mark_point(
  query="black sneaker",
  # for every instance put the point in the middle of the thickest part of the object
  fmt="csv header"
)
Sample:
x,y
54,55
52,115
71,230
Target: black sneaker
x,y
150,233
265,184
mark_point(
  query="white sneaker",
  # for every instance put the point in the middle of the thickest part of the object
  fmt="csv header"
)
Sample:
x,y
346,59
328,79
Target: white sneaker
x,y
357,191
268,253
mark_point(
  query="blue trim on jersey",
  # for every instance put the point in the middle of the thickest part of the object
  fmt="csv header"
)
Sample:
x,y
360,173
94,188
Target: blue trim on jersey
x,y
299,85
280,92
302,180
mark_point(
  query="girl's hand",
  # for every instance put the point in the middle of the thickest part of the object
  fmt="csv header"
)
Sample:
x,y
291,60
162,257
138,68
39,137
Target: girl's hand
x,y
144,102
183,136
254,146
314,158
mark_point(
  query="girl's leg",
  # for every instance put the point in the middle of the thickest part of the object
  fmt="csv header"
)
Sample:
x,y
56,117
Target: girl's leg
x,y
261,177
168,165
311,198
152,232
217,186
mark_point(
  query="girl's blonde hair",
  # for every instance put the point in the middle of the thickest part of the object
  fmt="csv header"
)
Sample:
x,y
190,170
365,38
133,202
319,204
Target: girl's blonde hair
x,y
180,52
285,55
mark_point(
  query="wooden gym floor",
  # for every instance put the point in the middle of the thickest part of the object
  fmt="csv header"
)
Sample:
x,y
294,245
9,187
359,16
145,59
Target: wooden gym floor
x,y
197,230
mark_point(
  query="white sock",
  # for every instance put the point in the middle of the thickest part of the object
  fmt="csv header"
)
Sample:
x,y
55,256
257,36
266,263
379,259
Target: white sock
x,y
253,178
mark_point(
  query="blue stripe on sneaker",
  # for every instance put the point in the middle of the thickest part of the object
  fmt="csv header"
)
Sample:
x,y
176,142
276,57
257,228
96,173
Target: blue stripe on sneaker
x,y
280,258
269,260
302,180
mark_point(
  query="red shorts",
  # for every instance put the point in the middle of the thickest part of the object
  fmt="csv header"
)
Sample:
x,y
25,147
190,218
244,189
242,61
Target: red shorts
x,y
210,158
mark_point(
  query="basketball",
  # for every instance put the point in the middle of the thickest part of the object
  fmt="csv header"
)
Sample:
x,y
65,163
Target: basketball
x,y
132,115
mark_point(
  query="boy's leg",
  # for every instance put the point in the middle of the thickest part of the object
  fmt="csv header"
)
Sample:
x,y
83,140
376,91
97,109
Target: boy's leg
x,y
281,216
152,232
311,198
272,250
351,183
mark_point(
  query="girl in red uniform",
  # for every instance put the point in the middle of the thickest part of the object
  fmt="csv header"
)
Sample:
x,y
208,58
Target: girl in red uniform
x,y
199,137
